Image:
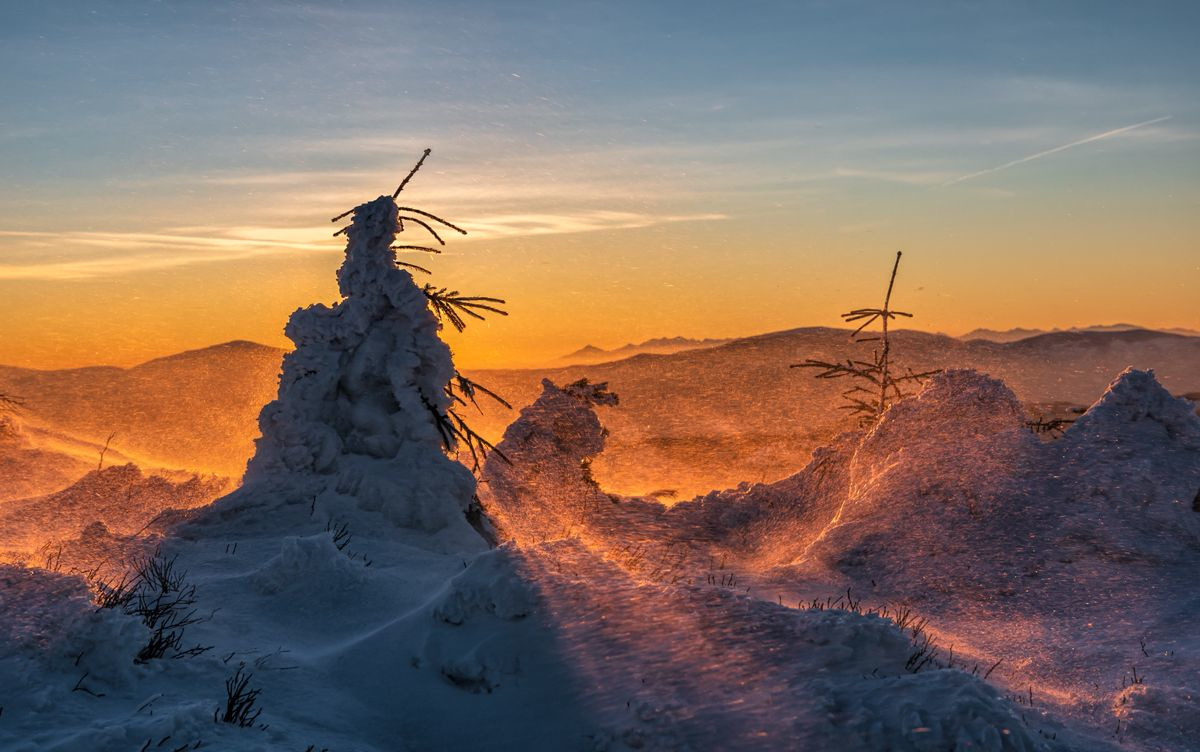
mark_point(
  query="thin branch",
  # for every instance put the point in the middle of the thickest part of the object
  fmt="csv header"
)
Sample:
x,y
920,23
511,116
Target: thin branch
x,y
411,172
428,227
413,266
434,217
104,451
469,388
449,305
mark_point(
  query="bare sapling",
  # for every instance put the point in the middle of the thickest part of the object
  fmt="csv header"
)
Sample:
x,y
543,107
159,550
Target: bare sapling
x,y
877,382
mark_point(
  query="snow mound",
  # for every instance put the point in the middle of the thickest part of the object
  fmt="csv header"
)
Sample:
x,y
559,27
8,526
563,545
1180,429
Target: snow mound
x,y
489,585
476,643
936,477
51,622
1136,410
312,564
1168,717
959,424
1131,466
926,711
356,421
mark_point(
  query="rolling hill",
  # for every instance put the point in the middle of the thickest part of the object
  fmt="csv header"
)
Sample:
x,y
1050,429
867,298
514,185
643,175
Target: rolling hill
x,y
689,421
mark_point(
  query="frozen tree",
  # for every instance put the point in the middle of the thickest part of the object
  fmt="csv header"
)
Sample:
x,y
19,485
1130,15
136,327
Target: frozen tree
x,y
876,382
366,411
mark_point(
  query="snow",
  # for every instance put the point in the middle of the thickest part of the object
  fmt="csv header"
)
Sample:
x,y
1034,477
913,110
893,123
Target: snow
x,y
346,578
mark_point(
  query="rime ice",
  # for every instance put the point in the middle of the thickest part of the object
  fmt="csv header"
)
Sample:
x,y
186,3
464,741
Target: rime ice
x,y
353,425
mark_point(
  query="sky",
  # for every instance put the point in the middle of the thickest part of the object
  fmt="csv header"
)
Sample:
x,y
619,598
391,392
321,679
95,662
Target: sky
x,y
625,170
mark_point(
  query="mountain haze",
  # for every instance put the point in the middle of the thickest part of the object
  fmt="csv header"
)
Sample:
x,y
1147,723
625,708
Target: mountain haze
x,y
690,421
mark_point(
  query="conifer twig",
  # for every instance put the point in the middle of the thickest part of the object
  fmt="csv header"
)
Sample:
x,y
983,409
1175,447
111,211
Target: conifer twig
x,y
434,217
428,227
412,172
450,306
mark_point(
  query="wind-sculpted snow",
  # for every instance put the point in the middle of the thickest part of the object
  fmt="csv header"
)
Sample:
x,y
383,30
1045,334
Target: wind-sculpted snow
x,y
949,503
545,491
353,426
87,523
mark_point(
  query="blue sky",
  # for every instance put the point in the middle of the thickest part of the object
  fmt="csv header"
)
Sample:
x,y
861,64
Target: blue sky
x,y
172,135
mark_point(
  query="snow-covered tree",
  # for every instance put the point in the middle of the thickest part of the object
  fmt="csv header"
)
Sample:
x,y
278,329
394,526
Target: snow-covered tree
x,y
365,415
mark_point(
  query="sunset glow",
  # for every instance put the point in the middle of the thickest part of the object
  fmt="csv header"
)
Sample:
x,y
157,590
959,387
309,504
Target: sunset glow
x,y
565,375
625,172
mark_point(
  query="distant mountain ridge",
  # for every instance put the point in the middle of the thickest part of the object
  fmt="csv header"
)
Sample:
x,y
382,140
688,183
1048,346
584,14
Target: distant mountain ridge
x,y
702,417
1018,333
656,346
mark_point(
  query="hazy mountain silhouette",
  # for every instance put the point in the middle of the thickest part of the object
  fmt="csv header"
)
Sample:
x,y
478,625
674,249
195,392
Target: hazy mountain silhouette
x,y
712,417
658,346
1012,335
195,410
693,420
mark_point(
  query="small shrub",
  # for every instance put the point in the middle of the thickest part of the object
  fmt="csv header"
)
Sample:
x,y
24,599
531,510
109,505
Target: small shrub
x,y
158,593
239,700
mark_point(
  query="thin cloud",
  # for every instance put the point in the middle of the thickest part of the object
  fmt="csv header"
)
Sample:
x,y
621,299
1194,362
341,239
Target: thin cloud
x,y
118,253
1055,150
511,225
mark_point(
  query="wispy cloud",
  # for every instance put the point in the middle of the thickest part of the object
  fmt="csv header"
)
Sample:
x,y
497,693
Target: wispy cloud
x,y
555,224
1055,150
118,253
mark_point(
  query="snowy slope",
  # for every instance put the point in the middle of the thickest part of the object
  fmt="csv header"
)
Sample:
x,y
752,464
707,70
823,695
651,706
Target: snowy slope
x,y
350,592
951,507
347,581
120,497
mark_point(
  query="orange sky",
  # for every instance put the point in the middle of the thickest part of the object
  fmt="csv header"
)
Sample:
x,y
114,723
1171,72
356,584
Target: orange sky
x,y
169,176
703,278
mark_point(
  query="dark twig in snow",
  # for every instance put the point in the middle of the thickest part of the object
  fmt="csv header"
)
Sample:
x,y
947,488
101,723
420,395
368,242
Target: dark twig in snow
x,y
104,450
239,700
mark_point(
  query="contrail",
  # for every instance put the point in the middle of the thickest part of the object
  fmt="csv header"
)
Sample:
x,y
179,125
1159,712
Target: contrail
x,y
1055,150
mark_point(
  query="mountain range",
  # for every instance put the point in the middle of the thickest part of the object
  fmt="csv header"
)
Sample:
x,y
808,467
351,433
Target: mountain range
x,y
701,418
1012,335
658,346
